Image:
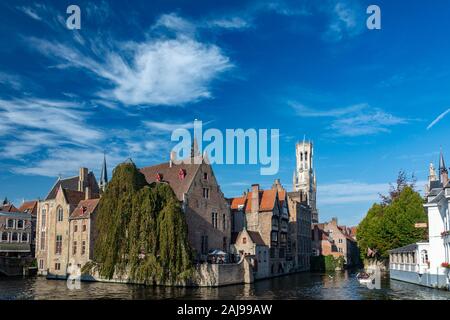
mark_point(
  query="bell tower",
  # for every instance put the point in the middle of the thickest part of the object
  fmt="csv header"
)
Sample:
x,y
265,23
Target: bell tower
x,y
304,178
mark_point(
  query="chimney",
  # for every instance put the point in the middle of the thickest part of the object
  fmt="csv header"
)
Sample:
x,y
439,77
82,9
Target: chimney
x,y
88,193
173,156
255,198
444,178
277,185
83,179
334,221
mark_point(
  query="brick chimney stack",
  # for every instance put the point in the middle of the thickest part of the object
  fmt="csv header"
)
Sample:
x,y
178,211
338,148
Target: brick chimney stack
x,y
83,179
88,193
255,198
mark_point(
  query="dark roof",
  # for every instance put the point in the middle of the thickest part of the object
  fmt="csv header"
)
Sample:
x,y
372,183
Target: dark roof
x,y
68,183
435,184
73,197
18,215
408,248
8,208
171,175
256,238
84,209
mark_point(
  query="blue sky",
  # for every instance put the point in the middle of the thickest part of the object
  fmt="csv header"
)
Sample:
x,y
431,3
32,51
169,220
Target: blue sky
x,y
370,100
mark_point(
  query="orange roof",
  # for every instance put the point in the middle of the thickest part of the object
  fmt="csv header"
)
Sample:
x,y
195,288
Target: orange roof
x,y
266,200
84,209
29,207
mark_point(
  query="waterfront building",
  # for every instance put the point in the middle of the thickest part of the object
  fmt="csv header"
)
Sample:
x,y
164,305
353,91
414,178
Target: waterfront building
x,y
266,212
31,207
206,210
304,178
53,227
427,263
250,243
82,232
15,242
330,238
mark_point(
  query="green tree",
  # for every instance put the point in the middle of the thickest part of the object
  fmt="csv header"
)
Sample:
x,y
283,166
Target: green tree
x,y
391,223
141,230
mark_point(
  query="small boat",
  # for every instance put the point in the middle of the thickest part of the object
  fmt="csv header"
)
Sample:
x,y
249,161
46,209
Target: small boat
x,y
364,278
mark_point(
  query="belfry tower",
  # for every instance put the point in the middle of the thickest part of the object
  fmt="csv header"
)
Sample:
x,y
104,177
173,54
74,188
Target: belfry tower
x,y
304,178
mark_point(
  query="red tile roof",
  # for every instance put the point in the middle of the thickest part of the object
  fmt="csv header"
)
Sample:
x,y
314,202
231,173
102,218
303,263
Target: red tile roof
x,y
29,207
84,209
266,200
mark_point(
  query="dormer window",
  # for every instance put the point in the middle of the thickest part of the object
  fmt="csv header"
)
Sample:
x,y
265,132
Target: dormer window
x,y
159,177
182,174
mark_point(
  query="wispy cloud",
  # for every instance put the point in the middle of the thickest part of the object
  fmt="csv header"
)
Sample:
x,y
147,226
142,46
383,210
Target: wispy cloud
x,y
352,121
31,12
168,126
439,118
161,71
345,19
230,23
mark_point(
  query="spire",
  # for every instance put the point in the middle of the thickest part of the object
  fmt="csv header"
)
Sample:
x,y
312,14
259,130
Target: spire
x,y
104,175
442,167
6,201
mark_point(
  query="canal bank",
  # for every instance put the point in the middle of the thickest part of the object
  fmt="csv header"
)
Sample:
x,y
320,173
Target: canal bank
x,y
307,286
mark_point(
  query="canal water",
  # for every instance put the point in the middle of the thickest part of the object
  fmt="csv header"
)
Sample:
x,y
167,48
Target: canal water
x,y
337,286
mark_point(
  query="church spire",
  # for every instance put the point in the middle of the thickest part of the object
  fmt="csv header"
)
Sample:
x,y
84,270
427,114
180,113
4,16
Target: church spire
x,y
104,175
443,172
442,166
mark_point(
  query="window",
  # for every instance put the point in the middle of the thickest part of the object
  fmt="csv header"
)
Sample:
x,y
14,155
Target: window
x,y
274,237
224,221
206,193
340,241
204,245
272,253
244,240
225,244
43,218
205,176
20,224
58,247
340,250
59,214
74,248
75,228
41,264
84,227
214,219
10,224
24,237
15,237
83,247
4,237
58,266
42,241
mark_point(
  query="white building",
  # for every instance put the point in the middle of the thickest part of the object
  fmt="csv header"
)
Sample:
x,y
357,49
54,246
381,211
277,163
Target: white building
x,y
424,263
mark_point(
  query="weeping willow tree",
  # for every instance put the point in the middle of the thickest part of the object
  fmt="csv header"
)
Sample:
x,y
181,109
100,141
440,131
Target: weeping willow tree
x,y
141,231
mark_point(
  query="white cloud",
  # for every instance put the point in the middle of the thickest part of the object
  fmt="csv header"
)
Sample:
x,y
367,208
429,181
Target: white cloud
x,y
352,121
439,118
168,126
12,81
230,23
345,20
30,12
158,71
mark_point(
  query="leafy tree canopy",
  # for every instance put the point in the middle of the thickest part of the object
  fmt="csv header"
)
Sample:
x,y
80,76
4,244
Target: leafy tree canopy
x,y
141,230
391,223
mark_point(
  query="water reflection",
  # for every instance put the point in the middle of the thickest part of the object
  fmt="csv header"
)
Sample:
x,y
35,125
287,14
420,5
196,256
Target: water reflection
x,y
336,286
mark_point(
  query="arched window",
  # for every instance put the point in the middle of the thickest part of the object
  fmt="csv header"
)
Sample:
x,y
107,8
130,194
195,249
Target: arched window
x,y
59,214
24,237
43,217
4,237
15,237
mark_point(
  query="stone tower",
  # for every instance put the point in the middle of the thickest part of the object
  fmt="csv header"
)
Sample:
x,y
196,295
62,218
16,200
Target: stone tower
x,y
304,178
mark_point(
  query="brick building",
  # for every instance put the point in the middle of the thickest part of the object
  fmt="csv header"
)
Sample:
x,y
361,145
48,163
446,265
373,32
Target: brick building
x,y
339,241
53,227
206,209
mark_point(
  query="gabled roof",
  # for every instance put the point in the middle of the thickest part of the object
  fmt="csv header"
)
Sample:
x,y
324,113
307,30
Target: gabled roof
x,y
29,207
84,209
256,238
171,175
73,197
9,208
68,183
267,200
